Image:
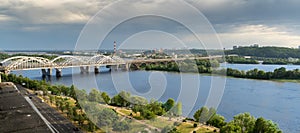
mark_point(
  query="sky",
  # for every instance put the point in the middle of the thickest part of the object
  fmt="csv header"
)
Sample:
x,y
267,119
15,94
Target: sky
x,y
147,24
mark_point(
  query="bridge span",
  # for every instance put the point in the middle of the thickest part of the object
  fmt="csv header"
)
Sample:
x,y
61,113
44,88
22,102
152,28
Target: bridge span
x,y
83,62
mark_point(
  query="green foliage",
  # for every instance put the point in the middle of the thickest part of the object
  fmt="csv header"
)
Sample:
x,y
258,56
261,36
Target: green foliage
x,y
265,126
248,124
240,60
276,61
137,100
121,100
105,97
268,52
231,128
280,73
201,66
169,104
195,125
95,96
156,108
204,114
217,121
177,109
121,126
107,117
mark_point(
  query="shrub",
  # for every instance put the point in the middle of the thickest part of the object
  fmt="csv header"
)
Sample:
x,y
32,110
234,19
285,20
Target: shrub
x,y
195,124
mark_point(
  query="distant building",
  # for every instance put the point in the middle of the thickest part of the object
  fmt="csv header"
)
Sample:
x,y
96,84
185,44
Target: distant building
x,y
255,45
235,47
299,47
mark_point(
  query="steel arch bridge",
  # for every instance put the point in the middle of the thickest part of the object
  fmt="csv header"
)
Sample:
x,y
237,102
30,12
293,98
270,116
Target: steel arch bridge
x,y
84,62
65,61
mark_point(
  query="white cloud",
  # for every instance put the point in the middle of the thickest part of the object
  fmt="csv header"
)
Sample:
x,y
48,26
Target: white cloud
x,y
4,18
244,35
261,34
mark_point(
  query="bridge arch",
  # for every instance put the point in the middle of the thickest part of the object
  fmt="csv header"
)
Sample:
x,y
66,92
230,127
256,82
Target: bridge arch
x,y
101,59
12,58
67,60
23,62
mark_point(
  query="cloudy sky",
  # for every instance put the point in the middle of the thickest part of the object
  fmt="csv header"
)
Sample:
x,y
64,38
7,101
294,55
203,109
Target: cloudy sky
x,y
57,24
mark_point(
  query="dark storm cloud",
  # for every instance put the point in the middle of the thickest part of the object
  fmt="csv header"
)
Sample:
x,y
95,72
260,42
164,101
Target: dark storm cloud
x,y
234,20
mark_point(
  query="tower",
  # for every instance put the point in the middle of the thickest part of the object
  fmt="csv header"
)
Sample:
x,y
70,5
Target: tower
x,y
115,48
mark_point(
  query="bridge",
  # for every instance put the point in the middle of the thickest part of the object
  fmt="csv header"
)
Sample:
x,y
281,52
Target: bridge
x,y
83,62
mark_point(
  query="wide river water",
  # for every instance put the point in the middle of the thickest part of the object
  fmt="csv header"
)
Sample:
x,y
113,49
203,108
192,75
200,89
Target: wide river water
x,y
278,101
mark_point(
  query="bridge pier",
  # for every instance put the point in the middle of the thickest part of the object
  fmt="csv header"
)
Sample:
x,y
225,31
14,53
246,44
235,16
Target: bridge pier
x,y
84,70
96,70
58,72
46,72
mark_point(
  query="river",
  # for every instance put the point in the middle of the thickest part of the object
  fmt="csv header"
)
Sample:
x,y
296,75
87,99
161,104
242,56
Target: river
x,y
278,101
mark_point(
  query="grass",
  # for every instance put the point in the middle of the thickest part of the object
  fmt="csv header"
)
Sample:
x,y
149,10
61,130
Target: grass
x,y
204,130
186,127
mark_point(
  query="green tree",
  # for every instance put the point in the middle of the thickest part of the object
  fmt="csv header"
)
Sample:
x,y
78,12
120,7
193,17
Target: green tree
x,y
122,99
107,117
81,95
156,107
177,109
202,115
72,91
95,96
265,126
244,122
169,104
105,97
137,100
231,128
217,121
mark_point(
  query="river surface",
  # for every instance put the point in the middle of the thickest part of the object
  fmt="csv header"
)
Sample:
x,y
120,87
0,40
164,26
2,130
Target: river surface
x,y
278,101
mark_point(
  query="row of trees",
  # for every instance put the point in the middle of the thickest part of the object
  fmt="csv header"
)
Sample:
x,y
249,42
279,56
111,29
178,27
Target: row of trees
x,y
206,66
280,73
241,123
254,60
201,66
5,56
147,110
240,60
267,52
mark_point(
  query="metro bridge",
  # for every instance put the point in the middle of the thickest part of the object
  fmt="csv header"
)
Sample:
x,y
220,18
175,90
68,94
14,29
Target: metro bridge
x,y
83,62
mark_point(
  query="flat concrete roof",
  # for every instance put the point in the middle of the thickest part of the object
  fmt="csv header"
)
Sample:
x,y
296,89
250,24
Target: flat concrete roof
x,y
16,115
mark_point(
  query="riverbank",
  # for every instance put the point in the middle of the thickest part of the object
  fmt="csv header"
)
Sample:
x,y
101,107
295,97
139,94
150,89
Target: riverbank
x,y
207,67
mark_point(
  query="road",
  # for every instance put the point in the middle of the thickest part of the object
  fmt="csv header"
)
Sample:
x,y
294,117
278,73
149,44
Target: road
x,y
60,123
